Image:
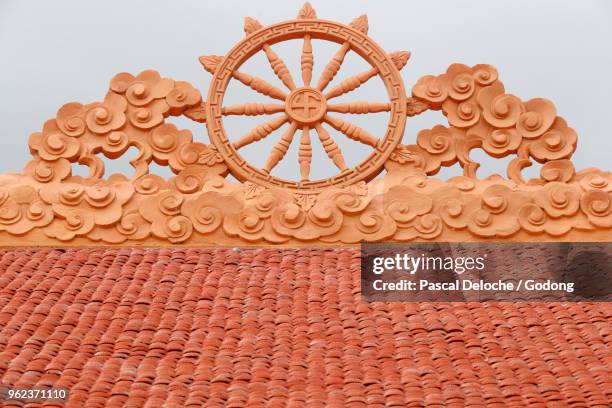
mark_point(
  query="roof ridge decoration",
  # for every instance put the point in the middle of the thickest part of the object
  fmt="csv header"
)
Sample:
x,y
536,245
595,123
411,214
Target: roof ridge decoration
x,y
47,205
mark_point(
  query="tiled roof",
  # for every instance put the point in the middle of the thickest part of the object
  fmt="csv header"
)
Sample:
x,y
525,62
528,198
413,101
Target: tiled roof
x,y
279,327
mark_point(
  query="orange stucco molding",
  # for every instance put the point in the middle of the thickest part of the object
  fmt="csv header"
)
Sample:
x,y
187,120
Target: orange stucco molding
x,y
391,195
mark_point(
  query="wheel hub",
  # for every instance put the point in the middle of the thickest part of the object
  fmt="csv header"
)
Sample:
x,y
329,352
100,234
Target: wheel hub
x,y
306,105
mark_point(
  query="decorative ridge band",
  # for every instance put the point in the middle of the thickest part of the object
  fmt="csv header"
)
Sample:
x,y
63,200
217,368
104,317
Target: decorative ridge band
x,y
47,205
403,206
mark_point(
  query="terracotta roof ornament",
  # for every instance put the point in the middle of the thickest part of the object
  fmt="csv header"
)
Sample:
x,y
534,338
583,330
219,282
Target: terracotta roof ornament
x,y
47,205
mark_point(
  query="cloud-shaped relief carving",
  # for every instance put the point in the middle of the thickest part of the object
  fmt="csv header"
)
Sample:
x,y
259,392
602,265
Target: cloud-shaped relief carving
x,y
476,103
81,206
163,212
199,205
208,210
22,210
51,144
597,205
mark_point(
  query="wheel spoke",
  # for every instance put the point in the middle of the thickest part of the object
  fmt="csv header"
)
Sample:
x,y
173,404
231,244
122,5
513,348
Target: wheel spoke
x,y
331,148
352,131
279,67
332,67
253,109
279,150
305,154
261,131
351,83
359,107
307,60
260,85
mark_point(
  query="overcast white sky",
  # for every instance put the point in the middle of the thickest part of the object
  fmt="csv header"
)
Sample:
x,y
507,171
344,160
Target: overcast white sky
x,y
53,52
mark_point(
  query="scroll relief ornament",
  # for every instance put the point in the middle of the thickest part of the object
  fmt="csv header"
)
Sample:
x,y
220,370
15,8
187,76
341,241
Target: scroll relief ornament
x,y
389,195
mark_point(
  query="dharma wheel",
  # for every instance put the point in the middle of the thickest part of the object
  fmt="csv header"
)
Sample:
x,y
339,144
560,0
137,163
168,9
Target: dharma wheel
x,y
307,104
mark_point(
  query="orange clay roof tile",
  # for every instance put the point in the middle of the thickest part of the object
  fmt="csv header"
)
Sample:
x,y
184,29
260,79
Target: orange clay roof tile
x,y
279,327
